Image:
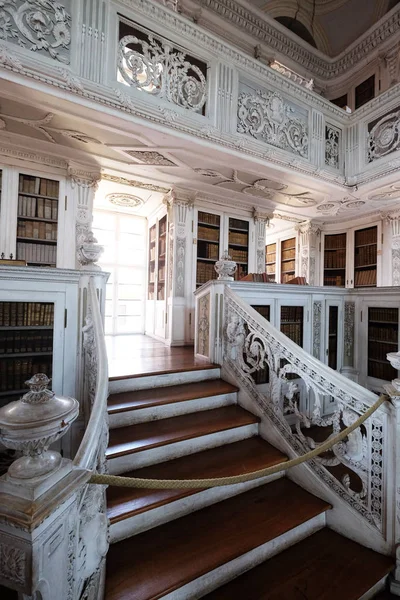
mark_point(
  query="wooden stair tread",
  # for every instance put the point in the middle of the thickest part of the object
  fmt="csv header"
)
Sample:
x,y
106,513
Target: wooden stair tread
x,y
166,395
324,566
169,366
245,456
163,559
134,438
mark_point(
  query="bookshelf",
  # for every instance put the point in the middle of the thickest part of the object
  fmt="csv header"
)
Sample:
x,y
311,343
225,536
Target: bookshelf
x,y
208,234
335,260
270,261
365,257
26,345
37,221
292,319
333,327
262,376
238,245
152,263
161,256
383,337
288,259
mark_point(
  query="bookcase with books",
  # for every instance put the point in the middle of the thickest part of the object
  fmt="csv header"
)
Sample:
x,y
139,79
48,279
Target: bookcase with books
x,y
288,259
238,245
335,260
152,263
37,221
292,322
208,239
333,332
365,257
270,261
26,345
161,257
383,337
262,376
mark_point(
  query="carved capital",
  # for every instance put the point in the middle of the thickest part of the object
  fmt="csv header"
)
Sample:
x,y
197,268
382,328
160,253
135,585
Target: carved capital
x,y
82,178
263,217
179,203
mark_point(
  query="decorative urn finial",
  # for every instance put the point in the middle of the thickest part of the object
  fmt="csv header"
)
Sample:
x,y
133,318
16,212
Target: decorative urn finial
x,y
89,252
225,267
32,424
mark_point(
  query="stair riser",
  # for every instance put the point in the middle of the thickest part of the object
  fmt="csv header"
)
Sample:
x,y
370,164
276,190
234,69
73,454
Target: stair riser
x,y
174,409
214,579
137,460
179,508
155,381
378,587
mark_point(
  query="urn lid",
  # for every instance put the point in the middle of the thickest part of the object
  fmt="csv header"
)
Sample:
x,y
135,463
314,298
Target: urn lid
x,y
38,408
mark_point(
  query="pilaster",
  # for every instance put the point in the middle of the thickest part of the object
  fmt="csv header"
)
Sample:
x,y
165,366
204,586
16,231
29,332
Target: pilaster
x,y
317,146
261,221
8,221
226,98
83,184
93,40
309,235
180,204
393,219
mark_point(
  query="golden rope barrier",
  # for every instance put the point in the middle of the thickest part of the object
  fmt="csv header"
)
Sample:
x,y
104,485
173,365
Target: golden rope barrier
x,y
136,482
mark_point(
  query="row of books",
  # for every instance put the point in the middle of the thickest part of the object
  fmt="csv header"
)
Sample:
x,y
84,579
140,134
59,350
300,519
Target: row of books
x,y
37,230
334,280
366,278
23,314
366,236
288,254
161,274
271,269
39,208
209,251
270,258
261,376
378,350
205,272
286,277
385,333
37,253
386,315
152,235
204,233
38,185
14,372
335,260
289,244
334,242
162,244
289,265
381,370
262,310
162,226
366,255
294,331
208,219
152,253
292,313
238,255
258,278
17,341
238,238
238,224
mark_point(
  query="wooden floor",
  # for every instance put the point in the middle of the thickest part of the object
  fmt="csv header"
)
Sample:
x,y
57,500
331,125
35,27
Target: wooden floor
x,y
142,355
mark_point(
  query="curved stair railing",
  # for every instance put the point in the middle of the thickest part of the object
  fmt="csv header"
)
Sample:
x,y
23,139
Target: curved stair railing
x,y
356,469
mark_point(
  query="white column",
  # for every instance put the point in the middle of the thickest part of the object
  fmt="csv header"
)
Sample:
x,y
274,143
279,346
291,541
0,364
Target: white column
x,y
180,204
83,186
261,221
226,98
394,220
309,236
8,221
93,55
317,146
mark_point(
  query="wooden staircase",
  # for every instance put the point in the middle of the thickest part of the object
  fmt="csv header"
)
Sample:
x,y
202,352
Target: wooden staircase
x,y
265,539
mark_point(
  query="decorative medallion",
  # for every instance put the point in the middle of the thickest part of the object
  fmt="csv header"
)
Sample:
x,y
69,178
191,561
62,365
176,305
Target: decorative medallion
x,y
125,200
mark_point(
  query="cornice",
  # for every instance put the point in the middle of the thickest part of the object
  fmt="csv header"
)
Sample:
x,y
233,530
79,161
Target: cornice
x,y
35,157
260,28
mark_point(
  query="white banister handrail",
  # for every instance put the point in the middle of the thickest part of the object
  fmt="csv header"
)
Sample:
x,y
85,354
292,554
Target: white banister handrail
x,y
90,442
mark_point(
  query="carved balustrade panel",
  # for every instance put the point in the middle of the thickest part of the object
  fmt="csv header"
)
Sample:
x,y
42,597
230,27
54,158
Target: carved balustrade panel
x,y
155,66
269,117
383,135
42,26
354,468
333,142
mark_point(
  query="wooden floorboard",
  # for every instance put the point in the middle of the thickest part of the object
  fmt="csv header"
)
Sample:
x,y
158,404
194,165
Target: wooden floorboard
x,y
233,459
134,438
166,395
325,566
161,560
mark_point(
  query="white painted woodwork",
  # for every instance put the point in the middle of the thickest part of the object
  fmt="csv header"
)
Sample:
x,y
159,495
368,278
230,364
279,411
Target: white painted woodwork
x,y
154,381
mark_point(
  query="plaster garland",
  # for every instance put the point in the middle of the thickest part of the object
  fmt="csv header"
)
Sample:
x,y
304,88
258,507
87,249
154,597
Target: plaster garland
x,y
317,309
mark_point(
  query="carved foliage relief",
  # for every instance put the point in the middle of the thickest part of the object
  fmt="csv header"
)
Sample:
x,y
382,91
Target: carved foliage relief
x,y
12,564
154,66
332,146
383,137
349,314
39,25
268,117
317,308
203,326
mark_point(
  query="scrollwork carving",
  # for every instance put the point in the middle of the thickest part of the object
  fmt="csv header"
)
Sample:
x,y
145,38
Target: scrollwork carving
x,y
266,116
317,309
157,68
332,146
384,136
12,564
203,326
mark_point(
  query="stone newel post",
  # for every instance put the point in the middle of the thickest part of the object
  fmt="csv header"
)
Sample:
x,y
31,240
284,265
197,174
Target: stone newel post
x,y
38,496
